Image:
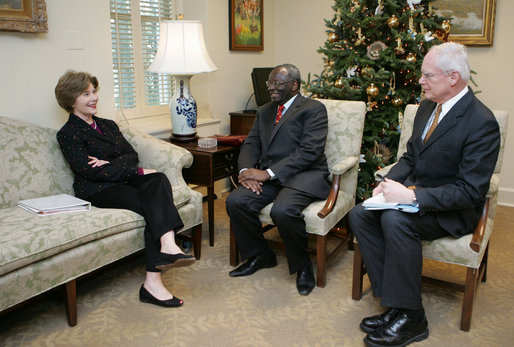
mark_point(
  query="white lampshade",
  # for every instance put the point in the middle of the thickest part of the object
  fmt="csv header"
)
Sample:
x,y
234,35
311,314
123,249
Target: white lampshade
x,y
182,53
182,49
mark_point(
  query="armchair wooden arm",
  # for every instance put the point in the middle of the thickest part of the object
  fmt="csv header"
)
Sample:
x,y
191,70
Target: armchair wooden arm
x,y
332,197
478,234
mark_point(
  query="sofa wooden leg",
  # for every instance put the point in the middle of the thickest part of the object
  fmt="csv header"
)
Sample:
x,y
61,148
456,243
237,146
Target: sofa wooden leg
x,y
358,273
196,235
70,302
469,295
321,258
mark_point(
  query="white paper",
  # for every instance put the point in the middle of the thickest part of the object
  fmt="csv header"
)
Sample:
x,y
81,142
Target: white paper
x,y
55,204
378,202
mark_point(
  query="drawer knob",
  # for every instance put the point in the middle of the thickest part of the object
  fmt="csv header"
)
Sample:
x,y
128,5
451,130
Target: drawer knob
x,y
229,156
229,169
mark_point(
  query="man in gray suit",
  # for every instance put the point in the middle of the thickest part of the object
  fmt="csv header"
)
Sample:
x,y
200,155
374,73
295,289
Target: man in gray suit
x,y
282,161
446,171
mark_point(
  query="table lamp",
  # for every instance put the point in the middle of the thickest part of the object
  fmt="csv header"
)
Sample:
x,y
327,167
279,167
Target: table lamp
x,y
182,53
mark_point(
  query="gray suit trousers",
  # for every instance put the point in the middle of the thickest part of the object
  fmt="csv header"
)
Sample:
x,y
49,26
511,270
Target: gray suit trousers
x,y
390,243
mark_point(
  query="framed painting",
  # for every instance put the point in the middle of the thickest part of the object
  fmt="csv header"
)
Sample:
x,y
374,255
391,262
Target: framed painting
x,y
27,16
246,25
472,21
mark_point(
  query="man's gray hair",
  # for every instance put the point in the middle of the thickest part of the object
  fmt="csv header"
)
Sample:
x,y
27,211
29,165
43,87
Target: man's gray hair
x,y
452,56
292,72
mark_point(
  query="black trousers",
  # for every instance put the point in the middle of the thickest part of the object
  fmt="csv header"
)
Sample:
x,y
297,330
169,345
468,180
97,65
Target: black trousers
x,y
243,207
151,196
390,243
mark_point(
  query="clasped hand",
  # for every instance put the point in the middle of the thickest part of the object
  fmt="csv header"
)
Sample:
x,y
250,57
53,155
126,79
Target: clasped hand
x,y
95,162
252,179
394,192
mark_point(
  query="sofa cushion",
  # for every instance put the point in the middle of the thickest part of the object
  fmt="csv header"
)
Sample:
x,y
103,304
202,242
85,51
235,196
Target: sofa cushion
x,y
33,165
26,238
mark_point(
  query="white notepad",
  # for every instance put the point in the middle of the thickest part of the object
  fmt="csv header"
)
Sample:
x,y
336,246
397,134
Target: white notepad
x,y
378,202
55,204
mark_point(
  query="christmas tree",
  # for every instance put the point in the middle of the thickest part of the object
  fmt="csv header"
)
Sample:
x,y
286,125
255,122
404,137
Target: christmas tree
x,y
374,53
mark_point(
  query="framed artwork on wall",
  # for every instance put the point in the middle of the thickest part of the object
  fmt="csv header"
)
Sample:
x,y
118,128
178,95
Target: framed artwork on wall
x,y
472,21
27,16
246,25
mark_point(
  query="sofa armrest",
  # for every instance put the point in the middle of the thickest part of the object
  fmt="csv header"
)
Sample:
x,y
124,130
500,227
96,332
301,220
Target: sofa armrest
x,y
160,155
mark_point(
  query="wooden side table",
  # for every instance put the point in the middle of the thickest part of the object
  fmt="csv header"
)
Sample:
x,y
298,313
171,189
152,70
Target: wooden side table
x,y
241,122
210,165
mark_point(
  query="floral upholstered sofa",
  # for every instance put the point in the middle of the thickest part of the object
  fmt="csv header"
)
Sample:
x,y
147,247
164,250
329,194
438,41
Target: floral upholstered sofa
x,y
38,253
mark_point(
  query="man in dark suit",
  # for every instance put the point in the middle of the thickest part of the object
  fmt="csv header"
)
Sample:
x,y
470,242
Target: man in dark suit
x,y
281,161
445,171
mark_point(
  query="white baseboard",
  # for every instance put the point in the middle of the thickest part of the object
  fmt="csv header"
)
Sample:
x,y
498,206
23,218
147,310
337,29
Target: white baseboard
x,y
506,196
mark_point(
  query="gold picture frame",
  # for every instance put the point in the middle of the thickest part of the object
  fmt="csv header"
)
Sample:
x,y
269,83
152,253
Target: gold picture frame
x,y
472,21
246,25
28,16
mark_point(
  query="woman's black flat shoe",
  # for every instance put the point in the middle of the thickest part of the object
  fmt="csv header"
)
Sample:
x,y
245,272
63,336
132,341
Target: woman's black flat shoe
x,y
145,296
167,261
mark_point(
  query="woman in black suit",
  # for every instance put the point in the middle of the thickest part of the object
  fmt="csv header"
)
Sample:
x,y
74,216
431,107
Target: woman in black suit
x,y
107,174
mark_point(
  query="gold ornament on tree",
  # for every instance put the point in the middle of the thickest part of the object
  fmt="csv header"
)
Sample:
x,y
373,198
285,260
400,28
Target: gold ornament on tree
x,y
445,25
361,38
372,90
339,83
367,71
440,35
399,50
332,37
411,58
397,101
412,30
393,22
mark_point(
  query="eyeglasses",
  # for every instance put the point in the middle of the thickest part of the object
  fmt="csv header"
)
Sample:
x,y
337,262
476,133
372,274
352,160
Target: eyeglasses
x,y
429,76
276,84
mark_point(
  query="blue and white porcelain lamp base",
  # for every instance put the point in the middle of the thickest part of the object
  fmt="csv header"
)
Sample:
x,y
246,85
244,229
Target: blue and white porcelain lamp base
x,y
183,111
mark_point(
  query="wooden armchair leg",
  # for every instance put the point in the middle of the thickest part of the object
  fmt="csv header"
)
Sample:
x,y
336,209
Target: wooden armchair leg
x,y
349,231
469,295
321,258
196,235
484,263
234,250
70,302
358,273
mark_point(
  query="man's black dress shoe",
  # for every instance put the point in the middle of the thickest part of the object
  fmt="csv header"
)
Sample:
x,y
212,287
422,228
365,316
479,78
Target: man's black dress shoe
x,y
400,331
255,263
166,261
305,280
369,324
145,296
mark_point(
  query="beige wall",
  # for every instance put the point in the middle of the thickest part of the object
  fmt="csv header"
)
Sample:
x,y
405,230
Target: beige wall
x,y
495,78
30,64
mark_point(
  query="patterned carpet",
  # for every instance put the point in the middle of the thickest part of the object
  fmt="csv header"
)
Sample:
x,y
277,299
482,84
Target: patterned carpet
x,y
262,310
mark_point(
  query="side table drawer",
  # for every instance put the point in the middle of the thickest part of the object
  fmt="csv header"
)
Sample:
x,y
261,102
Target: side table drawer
x,y
225,158
224,171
